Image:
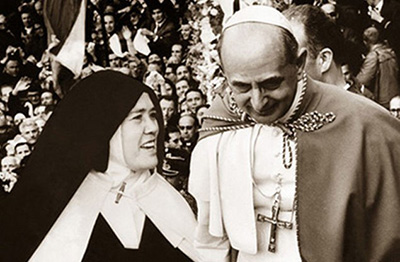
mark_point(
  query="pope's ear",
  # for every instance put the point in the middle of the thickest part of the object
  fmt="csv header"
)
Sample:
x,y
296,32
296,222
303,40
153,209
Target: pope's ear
x,y
301,60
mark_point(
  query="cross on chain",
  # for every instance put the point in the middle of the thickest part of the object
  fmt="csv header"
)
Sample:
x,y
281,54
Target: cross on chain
x,y
275,223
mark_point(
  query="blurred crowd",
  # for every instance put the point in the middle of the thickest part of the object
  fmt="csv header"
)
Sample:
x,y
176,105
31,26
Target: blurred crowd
x,y
171,46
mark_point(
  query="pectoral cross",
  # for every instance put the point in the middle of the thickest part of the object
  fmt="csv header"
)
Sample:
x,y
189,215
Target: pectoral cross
x,y
275,223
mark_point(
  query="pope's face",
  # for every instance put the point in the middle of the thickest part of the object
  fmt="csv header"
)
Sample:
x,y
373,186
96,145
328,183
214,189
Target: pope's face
x,y
262,81
139,135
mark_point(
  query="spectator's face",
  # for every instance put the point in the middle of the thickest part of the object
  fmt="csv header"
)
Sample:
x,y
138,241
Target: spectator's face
x,y
139,133
166,89
176,51
40,111
263,82
330,11
5,93
109,24
134,68
41,122
39,8
158,15
31,134
167,108
170,74
185,31
12,68
312,67
3,23
47,99
184,108
8,164
34,97
135,17
182,72
18,118
114,60
26,19
181,87
347,74
22,151
186,127
200,113
194,100
395,108
154,58
174,140
372,2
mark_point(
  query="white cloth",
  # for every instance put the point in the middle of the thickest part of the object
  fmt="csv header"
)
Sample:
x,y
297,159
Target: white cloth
x,y
221,181
379,6
115,45
144,194
140,42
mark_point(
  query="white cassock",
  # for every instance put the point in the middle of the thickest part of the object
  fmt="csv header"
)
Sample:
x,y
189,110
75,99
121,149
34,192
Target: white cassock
x,y
234,176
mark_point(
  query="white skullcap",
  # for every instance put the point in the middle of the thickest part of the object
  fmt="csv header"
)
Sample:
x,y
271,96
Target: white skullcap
x,y
259,14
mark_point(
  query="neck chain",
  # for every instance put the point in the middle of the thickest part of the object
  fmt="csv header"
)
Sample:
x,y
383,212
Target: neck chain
x,y
279,176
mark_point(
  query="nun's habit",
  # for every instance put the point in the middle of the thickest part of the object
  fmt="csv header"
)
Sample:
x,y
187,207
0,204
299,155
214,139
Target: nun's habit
x,y
64,207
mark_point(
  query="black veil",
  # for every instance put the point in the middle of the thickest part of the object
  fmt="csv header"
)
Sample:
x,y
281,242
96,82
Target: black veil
x,y
74,141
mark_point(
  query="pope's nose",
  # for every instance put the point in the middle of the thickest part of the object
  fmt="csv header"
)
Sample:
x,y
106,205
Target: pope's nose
x,y
258,99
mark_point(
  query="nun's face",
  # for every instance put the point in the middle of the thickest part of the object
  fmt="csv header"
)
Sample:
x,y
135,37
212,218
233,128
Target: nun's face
x,y
139,135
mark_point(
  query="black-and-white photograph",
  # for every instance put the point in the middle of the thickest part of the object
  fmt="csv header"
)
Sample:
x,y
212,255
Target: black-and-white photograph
x,y
199,130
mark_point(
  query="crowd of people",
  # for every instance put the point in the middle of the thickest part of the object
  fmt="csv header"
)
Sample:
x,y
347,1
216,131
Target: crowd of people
x,y
172,47
276,120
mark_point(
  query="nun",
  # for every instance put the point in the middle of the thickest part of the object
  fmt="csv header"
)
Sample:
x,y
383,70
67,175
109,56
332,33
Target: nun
x,y
91,190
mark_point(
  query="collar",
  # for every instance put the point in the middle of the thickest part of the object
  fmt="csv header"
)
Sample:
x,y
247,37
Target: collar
x,y
161,23
225,115
376,46
347,86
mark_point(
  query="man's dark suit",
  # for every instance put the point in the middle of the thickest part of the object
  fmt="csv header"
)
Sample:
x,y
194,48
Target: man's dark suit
x,y
166,37
391,24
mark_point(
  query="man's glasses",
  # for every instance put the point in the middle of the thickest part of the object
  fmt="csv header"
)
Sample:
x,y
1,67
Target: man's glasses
x,y
185,127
